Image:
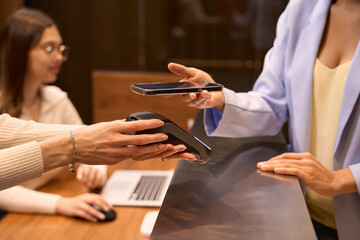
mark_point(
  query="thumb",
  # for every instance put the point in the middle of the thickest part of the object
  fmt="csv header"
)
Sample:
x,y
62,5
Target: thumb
x,y
181,70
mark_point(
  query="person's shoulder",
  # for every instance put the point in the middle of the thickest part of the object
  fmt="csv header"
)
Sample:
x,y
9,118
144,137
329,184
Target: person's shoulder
x,y
300,13
52,92
306,9
304,5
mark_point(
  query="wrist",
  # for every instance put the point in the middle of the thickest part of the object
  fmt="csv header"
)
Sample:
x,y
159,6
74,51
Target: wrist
x,y
220,101
59,203
344,182
56,151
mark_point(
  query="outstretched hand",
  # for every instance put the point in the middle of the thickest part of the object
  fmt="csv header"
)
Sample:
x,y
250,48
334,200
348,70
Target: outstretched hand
x,y
201,100
109,143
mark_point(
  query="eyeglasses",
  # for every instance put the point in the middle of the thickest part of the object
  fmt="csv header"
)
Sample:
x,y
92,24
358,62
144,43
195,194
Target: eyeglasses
x,y
50,49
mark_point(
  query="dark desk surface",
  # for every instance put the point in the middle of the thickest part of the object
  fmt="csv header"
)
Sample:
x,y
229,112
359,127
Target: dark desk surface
x,y
228,198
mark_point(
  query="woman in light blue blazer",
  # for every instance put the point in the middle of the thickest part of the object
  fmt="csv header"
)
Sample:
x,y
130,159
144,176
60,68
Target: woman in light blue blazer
x,y
309,32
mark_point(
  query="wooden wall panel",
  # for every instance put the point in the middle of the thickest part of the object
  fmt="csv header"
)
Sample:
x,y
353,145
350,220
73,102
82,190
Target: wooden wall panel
x,y
113,99
7,7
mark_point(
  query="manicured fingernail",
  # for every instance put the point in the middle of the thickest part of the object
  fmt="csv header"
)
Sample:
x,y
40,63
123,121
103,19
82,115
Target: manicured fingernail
x,y
164,137
161,146
102,216
264,167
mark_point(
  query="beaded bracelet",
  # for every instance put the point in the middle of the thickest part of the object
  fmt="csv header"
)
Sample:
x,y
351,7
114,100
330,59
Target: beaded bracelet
x,y
72,165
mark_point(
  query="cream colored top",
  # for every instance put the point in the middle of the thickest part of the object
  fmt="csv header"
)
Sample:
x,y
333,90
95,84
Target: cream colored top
x,y
56,108
328,90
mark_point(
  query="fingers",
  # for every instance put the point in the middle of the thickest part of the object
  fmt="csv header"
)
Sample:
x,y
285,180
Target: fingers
x,y
167,148
285,159
90,176
88,205
291,155
183,155
290,171
99,201
170,152
141,139
89,213
270,166
198,100
135,126
181,70
136,152
196,96
189,97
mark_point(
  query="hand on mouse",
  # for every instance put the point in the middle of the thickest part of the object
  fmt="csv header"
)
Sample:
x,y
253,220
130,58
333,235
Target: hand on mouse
x,y
80,206
91,177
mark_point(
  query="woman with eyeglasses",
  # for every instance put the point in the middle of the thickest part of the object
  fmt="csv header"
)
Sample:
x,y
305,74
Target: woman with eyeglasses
x,y
32,52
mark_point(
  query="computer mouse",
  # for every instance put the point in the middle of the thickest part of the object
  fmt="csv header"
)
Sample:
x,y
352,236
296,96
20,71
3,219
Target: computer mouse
x,y
176,135
109,215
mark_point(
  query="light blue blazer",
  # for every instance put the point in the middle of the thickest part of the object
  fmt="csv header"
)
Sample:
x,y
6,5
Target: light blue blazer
x,y
283,92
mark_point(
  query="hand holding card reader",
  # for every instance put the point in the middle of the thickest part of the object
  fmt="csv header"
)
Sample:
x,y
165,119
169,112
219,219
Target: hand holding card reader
x,y
176,135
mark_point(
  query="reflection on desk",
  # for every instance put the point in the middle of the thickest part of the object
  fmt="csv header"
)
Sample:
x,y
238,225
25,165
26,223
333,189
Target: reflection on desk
x,y
228,198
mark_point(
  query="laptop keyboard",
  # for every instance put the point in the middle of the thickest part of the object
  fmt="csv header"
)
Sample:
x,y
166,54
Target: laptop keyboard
x,y
148,188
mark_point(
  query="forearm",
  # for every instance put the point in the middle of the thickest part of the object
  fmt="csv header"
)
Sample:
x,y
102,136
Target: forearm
x,y
14,131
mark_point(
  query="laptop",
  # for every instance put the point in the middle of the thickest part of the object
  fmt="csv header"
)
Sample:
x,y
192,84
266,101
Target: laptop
x,y
137,187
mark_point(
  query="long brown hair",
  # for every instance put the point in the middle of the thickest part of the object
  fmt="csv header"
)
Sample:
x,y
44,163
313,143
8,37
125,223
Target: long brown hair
x,y
21,32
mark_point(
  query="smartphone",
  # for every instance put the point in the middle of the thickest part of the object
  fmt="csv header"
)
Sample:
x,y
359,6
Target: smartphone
x,y
170,88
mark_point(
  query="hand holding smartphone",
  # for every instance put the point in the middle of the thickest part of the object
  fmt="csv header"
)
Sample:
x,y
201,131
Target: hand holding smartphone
x,y
171,88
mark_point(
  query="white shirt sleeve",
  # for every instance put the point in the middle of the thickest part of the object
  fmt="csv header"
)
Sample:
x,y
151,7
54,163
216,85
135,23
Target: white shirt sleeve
x,y
24,200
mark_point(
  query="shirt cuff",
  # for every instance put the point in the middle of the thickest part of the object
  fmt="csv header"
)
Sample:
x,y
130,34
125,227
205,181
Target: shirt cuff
x,y
355,170
212,117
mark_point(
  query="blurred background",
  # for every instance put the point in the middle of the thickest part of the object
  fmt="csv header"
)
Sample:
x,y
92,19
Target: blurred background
x,y
227,38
